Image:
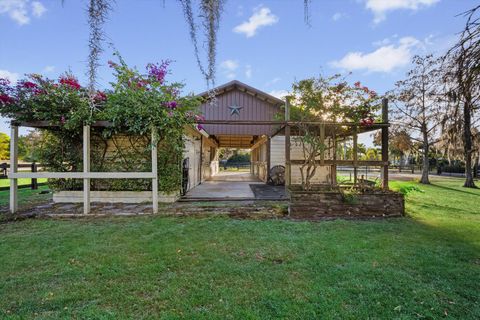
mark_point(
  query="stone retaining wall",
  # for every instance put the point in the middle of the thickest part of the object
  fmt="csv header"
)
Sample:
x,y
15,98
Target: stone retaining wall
x,y
332,204
112,197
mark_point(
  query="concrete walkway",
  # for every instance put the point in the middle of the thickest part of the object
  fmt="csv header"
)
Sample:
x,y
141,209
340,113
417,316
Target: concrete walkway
x,y
225,185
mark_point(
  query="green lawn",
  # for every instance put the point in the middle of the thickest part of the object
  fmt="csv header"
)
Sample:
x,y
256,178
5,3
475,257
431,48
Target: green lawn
x,y
26,197
425,266
6,182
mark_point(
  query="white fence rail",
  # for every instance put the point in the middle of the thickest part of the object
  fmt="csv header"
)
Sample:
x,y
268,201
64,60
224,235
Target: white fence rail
x,y
86,175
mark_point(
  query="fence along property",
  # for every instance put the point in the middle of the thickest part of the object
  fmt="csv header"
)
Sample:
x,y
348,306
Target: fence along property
x,y
86,175
4,169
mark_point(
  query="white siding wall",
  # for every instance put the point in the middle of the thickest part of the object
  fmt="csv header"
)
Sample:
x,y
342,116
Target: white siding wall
x,y
277,157
193,152
209,167
259,166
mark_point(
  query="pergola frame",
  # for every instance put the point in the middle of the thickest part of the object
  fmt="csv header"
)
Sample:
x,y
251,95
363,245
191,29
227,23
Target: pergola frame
x,y
86,175
354,129
285,125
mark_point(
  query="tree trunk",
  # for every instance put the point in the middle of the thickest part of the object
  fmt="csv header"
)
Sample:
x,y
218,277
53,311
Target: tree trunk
x,y
475,167
467,135
426,163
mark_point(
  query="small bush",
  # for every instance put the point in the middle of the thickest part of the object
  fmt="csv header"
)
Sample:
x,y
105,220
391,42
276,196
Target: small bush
x,y
409,188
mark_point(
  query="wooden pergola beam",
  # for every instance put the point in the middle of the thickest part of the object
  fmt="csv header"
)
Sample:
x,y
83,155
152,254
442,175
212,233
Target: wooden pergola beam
x,y
328,162
288,122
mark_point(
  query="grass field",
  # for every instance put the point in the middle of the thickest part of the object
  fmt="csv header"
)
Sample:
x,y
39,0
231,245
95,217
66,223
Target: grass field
x,y
26,197
6,182
424,266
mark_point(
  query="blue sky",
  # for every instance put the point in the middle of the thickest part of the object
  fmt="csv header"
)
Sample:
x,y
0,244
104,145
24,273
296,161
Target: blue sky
x,y
262,43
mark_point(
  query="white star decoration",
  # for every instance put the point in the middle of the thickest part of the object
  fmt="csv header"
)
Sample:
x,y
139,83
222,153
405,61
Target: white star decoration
x,y
235,110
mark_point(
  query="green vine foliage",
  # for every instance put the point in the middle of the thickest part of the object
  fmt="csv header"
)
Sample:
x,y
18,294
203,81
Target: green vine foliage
x,y
138,104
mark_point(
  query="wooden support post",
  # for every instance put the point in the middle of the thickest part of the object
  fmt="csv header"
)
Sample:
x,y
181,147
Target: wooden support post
x,y
269,161
13,168
322,139
355,154
86,169
288,169
34,184
334,157
155,173
201,159
385,144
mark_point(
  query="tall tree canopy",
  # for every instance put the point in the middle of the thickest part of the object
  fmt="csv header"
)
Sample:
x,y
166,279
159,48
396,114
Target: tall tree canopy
x,y
463,72
418,107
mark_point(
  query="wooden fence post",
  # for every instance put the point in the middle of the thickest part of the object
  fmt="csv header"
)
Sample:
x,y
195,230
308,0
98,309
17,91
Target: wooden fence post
x,y
155,173
385,144
13,168
86,169
34,185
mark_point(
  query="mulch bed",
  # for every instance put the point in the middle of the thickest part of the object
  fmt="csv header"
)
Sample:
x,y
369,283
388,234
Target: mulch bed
x,y
267,192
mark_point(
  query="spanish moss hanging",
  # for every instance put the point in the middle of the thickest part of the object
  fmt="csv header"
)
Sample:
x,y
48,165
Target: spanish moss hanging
x,y
210,12
97,15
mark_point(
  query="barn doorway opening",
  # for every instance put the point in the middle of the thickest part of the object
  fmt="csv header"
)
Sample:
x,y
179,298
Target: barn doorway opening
x,y
235,146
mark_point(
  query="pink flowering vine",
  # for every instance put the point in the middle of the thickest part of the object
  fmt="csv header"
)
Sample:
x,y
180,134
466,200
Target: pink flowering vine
x,y
171,104
70,82
6,99
100,96
158,71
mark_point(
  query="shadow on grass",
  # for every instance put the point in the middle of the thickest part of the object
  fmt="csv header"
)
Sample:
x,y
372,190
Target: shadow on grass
x,y
457,190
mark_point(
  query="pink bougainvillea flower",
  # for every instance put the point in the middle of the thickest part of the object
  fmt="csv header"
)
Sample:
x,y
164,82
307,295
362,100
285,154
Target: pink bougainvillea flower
x,y
38,92
199,117
199,127
172,91
5,99
28,85
4,82
100,96
158,71
171,104
373,94
367,121
357,84
62,120
70,82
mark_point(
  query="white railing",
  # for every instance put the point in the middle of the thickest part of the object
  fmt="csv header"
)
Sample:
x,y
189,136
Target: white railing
x,y
86,175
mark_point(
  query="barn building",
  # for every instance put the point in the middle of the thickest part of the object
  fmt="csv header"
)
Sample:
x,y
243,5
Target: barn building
x,y
228,113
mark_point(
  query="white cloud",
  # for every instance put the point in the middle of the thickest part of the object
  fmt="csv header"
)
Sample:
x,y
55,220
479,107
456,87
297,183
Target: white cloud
x,y
280,94
12,76
380,8
338,15
21,10
262,16
384,59
38,9
229,67
248,71
49,69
